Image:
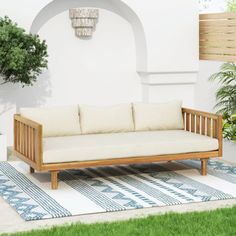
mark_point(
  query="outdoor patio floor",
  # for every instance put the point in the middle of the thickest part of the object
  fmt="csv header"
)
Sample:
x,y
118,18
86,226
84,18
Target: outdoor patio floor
x,y
10,221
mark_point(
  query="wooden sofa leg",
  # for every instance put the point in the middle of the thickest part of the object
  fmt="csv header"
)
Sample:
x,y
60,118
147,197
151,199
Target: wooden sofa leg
x,y
31,170
54,179
204,166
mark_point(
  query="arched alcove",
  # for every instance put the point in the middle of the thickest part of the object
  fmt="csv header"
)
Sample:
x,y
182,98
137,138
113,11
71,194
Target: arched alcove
x,y
117,6
101,70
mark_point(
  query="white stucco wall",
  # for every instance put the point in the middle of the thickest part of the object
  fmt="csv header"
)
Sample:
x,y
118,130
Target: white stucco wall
x,y
204,89
97,71
104,69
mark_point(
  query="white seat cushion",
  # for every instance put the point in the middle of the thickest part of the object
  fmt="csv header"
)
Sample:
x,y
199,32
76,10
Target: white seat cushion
x,y
107,119
158,116
56,121
120,145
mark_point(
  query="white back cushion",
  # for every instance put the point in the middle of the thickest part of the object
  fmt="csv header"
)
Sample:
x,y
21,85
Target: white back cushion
x,y
158,116
56,121
110,119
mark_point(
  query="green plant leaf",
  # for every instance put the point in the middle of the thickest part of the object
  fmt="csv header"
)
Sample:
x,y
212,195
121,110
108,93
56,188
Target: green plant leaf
x,y
23,56
226,98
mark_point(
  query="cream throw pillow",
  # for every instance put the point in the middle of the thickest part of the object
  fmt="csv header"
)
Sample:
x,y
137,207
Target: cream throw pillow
x,y
110,119
56,121
158,116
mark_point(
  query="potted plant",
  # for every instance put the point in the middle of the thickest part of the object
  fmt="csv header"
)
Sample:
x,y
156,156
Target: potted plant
x,y
226,106
23,56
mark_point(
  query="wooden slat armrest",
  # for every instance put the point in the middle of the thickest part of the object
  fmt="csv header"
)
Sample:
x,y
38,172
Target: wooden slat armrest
x,y
201,113
203,123
27,121
28,140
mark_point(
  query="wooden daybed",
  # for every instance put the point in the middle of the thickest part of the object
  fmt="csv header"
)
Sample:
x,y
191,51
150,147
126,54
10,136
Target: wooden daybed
x,y
28,145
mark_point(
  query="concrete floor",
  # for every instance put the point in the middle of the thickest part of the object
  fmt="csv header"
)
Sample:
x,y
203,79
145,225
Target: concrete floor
x,y
10,221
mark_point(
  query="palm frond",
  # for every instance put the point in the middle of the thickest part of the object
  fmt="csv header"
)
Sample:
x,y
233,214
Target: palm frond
x,y
226,98
229,66
226,75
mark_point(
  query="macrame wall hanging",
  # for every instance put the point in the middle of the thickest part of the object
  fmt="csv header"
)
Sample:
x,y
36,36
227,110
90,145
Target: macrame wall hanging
x,y
84,21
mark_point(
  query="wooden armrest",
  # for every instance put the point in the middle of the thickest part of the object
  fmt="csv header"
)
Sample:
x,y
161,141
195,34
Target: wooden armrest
x,y
26,121
28,140
203,123
200,113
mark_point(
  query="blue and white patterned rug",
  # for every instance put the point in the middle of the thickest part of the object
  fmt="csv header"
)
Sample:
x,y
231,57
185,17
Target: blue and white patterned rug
x,y
119,188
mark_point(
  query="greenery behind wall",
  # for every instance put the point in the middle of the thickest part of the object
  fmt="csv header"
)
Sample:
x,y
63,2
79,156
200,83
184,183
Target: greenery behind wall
x,y
23,56
226,98
231,5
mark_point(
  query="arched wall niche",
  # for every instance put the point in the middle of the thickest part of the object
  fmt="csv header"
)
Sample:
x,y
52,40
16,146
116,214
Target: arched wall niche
x,y
116,6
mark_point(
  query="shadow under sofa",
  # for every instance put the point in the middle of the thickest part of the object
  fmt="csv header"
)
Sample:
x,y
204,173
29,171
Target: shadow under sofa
x,y
199,137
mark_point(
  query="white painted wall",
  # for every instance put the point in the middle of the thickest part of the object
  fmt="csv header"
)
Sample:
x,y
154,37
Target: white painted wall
x,y
174,45
204,89
170,27
103,70
97,71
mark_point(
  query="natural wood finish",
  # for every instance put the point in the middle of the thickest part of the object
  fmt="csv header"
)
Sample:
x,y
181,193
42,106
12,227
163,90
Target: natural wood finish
x,y
200,113
26,121
225,43
209,127
187,122
214,129
54,179
217,24
220,136
28,144
15,125
212,16
203,123
204,166
193,123
198,124
217,37
214,50
128,160
217,57
28,141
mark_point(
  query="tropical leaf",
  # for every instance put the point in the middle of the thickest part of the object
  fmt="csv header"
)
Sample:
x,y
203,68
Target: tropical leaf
x,y
226,98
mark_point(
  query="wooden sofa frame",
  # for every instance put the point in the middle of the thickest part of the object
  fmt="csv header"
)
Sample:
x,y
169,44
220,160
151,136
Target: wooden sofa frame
x,y
28,145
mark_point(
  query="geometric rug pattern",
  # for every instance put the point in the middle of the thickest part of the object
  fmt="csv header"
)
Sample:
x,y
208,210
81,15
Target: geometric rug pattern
x,y
113,188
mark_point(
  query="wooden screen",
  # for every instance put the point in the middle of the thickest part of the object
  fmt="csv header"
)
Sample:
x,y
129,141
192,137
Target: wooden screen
x,y
218,37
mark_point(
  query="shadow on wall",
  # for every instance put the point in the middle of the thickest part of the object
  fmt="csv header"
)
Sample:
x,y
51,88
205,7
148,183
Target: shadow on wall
x,y
14,96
